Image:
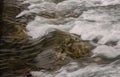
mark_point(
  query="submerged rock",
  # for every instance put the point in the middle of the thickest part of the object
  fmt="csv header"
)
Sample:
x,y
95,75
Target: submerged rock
x,y
50,52
64,42
59,48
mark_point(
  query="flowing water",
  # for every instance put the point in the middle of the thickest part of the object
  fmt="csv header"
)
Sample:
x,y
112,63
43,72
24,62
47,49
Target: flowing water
x,y
95,20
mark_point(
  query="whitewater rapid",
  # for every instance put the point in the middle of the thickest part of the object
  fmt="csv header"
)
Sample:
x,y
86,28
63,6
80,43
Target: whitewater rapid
x,y
95,20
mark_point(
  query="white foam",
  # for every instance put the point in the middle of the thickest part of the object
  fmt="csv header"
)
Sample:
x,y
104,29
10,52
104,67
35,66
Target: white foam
x,y
102,24
97,24
44,7
40,26
31,1
97,15
65,8
96,71
110,2
25,12
88,30
106,51
69,8
92,70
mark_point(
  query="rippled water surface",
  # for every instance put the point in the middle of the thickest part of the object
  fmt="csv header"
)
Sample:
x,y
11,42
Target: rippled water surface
x,y
95,20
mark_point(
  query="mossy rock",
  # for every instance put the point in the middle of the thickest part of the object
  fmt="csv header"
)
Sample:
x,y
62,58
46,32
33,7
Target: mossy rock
x,y
65,42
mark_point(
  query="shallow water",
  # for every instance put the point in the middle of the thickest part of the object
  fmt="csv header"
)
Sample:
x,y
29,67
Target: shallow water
x,y
94,20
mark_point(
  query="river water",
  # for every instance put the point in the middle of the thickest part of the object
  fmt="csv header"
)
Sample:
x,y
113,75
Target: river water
x,y
95,20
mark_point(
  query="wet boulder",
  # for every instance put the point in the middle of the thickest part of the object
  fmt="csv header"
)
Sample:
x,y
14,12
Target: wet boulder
x,y
50,52
59,48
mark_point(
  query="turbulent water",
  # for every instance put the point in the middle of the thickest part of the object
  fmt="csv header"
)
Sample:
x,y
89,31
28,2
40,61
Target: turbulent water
x,y
95,20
